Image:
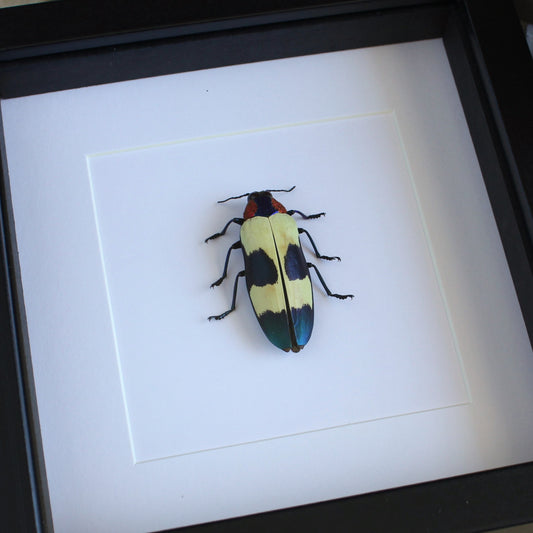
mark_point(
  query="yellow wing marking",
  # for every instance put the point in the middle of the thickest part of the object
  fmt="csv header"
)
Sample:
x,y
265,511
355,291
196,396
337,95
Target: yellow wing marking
x,y
285,231
256,233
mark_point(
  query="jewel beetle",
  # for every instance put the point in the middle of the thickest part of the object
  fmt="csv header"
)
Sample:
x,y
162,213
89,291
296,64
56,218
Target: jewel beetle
x,y
275,268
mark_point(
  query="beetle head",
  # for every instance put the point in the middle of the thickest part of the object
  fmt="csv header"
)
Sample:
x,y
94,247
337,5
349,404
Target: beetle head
x,y
262,204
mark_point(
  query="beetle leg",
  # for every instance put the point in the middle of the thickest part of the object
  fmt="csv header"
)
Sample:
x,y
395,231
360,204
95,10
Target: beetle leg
x,y
220,233
234,246
320,256
232,308
329,293
316,215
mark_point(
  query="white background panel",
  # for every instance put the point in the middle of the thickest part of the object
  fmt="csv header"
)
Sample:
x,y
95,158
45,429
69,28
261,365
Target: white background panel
x,y
153,417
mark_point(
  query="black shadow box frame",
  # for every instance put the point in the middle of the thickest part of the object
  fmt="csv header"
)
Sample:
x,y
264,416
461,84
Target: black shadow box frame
x,y
63,45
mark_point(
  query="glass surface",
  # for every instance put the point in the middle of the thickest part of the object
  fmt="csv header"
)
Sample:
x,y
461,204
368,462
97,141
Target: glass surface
x,y
151,416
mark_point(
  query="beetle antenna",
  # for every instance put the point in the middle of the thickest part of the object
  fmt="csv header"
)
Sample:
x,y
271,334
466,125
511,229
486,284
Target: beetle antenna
x,y
247,193
282,190
233,198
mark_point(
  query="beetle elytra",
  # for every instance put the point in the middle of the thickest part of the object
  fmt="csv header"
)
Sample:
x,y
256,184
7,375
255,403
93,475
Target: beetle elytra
x,y
275,268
